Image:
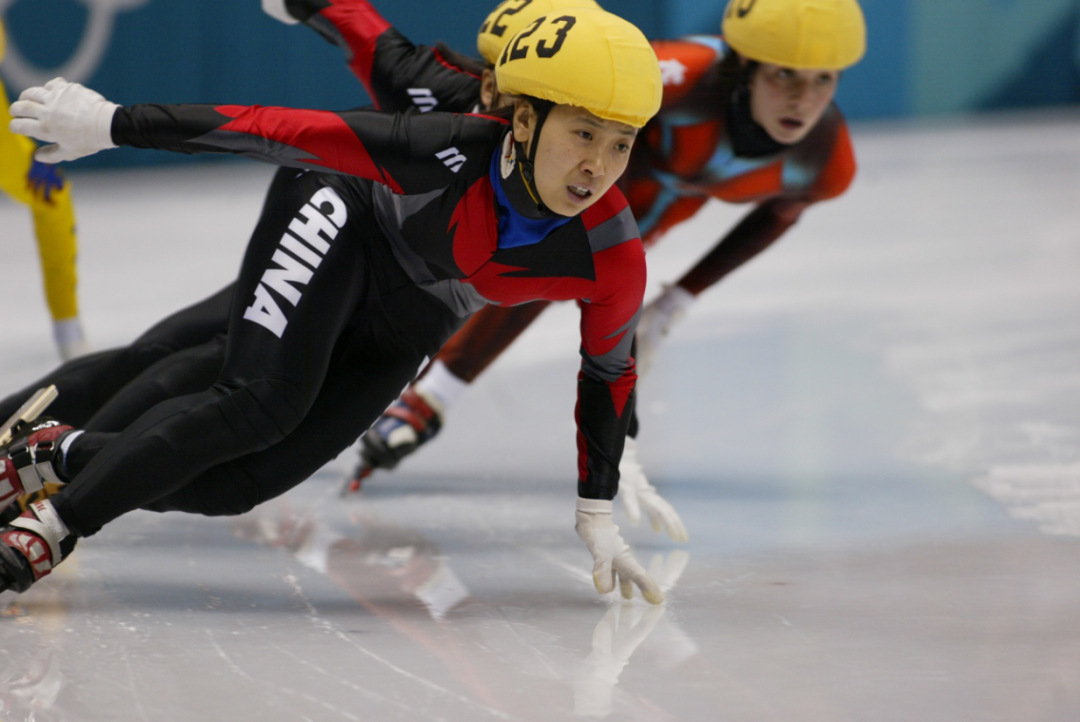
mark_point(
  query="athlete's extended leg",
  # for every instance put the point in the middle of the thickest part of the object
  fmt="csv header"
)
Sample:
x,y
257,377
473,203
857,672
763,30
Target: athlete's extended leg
x,y
396,327
373,361
279,348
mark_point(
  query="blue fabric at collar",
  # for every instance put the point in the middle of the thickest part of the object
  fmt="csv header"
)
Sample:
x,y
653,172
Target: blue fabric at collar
x,y
515,229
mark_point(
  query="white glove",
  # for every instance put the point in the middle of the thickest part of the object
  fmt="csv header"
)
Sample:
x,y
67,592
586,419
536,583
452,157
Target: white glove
x,y
77,120
637,494
656,321
611,555
276,9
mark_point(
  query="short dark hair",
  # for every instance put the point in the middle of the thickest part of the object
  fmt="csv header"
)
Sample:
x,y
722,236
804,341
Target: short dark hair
x,y
467,63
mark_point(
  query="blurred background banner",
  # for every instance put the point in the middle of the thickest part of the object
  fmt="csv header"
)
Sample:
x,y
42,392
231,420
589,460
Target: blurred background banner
x,y
925,57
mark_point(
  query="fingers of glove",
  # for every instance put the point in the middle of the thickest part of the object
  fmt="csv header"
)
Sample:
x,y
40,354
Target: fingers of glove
x,y
662,515
26,126
32,96
631,573
626,587
54,154
25,109
603,575
656,521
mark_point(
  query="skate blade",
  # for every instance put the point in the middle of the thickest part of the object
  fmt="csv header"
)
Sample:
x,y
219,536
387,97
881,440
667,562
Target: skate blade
x,y
34,407
353,485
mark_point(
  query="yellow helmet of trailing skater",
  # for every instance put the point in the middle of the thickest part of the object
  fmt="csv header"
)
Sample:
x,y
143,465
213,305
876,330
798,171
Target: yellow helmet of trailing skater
x,y
511,16
587,58
800,34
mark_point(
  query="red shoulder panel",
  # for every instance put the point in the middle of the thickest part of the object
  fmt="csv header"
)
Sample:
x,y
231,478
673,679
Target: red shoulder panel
x,y
682,65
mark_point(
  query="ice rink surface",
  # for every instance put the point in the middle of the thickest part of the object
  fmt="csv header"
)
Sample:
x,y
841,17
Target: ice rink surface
x,y
872,433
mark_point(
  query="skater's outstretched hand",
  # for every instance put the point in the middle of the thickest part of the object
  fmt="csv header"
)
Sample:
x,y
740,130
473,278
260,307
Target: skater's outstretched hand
x,y
638,494
611,555
76,120
657,319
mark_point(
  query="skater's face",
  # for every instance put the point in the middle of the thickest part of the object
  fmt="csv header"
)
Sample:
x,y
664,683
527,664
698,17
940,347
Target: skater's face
x,y
580,155
788,103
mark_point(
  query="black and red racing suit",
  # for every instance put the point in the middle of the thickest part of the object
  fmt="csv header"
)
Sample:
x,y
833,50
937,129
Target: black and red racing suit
x,y
349,271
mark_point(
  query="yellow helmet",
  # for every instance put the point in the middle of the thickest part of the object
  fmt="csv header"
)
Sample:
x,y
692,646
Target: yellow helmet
x,y
510,16
587,58
800,34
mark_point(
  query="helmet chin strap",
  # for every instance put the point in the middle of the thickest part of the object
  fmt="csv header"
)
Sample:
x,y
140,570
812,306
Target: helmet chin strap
x,y
527,160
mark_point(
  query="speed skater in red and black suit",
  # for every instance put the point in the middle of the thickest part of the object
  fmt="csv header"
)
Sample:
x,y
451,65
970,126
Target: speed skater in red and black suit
x,y
104,393
456,212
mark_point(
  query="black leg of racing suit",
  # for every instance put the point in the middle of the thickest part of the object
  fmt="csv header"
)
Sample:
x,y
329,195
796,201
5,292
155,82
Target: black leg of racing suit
x,y
281,407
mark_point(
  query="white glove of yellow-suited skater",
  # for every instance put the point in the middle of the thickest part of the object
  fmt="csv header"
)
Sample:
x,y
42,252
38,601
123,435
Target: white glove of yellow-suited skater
x,y
76,120
611,555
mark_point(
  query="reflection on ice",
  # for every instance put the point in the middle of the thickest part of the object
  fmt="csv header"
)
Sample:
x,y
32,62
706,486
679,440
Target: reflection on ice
x,y
388,567
618,635
29,689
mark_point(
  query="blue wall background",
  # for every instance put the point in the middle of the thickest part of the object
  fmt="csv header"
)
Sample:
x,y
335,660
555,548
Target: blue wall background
x,y
924,57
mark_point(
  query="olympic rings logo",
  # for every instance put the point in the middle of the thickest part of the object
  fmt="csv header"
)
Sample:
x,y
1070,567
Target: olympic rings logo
x,y
87,57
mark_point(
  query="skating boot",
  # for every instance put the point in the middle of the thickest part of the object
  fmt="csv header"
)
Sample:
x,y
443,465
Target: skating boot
x,y
29,466
409,423
32,546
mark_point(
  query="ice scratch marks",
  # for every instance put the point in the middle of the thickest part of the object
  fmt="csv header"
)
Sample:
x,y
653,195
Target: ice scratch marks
x,y
233,667
574,571
420,680
315,618
368,693
237,670
1048,494
134,686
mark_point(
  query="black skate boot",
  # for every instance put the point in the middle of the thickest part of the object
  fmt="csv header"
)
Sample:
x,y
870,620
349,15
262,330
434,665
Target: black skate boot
x,y
32,546
409,423
29,467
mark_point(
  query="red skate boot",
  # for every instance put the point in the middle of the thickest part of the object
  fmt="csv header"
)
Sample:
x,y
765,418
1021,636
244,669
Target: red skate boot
x,y
408,424
32,546
29,466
